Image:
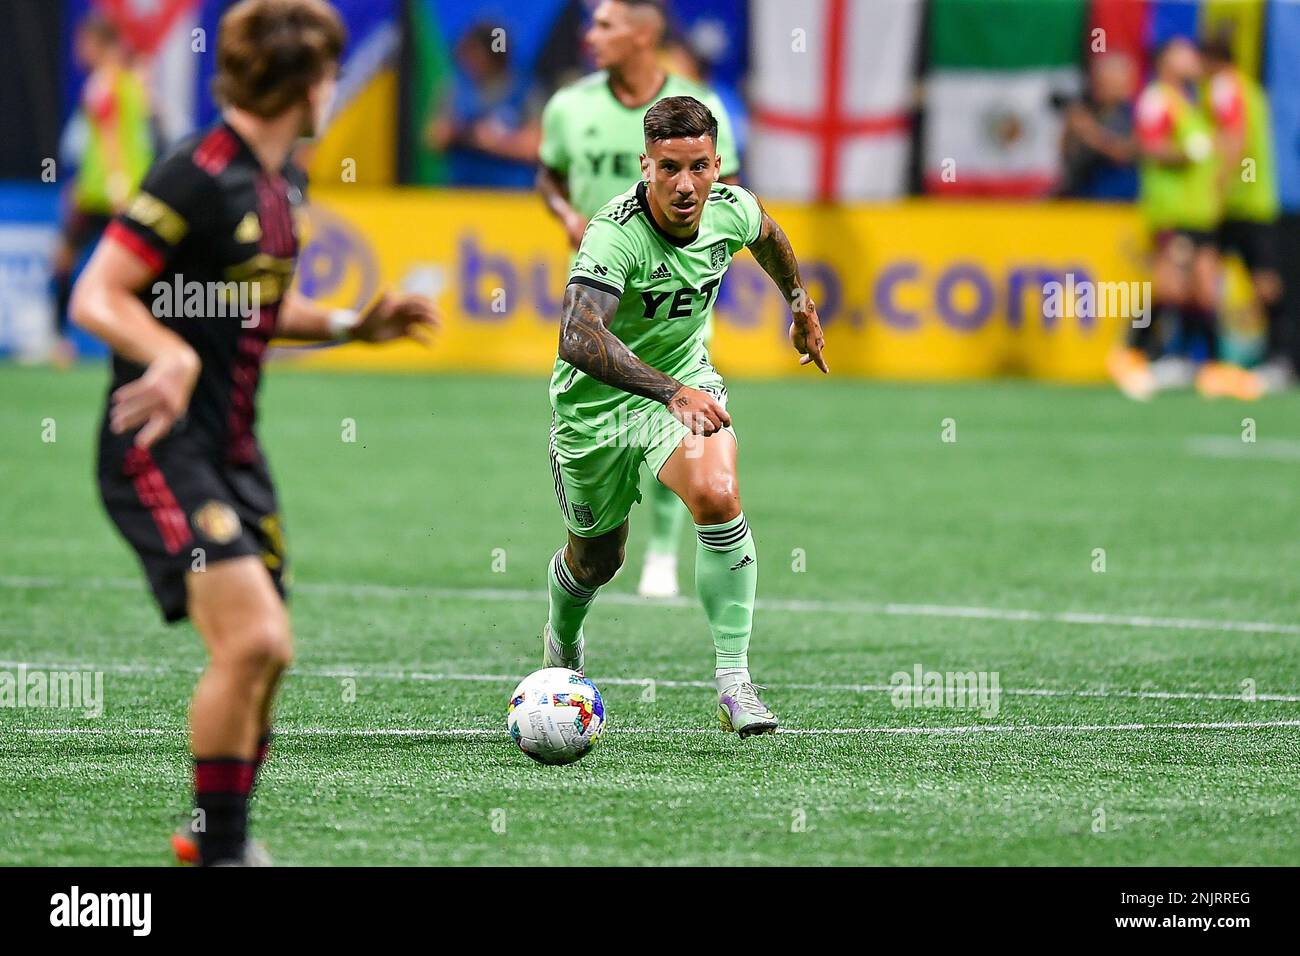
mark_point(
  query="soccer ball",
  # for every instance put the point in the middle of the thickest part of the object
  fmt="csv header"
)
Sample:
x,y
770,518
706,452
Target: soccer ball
x,y
555,715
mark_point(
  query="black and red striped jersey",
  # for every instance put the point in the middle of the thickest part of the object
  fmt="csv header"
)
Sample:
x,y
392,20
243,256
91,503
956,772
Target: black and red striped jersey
x,y
221,234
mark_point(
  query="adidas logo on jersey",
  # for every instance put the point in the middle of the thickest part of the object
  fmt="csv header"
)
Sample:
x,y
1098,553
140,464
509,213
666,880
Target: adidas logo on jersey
x,y
744,562
661,272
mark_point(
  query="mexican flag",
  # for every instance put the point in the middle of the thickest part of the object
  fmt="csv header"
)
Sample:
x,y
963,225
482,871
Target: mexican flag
x,y
998,70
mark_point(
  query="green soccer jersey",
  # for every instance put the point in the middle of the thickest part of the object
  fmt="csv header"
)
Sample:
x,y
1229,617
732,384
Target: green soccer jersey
x,y
666,287
1186,195
596,142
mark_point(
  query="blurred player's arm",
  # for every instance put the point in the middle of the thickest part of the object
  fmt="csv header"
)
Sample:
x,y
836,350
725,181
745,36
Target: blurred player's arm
x,y
1081,125
105,304
554,188
588,345
389,317
774,253
553,170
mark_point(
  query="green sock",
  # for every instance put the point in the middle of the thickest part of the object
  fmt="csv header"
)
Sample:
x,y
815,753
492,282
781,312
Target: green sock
x,y
570,602
726,575
667,515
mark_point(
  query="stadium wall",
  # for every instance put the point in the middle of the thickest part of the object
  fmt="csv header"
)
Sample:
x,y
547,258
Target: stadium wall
x,y
911,290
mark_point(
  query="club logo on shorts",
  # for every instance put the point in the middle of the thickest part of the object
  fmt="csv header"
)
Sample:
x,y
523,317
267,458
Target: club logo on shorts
x,y
217,522
582,515
718,254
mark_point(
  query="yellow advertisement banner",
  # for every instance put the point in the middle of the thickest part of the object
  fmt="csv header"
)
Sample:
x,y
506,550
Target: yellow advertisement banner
x,y
913,290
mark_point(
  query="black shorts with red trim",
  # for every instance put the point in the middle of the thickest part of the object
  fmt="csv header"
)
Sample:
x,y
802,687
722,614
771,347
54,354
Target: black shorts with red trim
x,y
182,509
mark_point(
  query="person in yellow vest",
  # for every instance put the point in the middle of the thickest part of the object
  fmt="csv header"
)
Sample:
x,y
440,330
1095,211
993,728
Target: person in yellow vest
x,y
1179,197
1244,130
117,151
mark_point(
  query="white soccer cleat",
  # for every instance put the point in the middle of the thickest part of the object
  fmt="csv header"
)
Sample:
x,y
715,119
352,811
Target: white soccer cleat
x,y
1275,376
553,652
659,576
1172,372
740,711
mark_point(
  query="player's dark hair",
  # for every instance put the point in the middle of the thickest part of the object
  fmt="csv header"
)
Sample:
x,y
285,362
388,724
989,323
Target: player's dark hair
x,y
677,116
657,5
270,52
101,28
1218,47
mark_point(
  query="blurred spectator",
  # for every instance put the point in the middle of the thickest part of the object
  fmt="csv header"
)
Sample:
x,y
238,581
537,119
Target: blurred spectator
x,y
1098,145
112,142
489,129
1248,184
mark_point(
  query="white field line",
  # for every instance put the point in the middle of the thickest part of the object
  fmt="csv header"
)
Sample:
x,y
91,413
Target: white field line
x,y
338,672
477,732
872,608
1222,446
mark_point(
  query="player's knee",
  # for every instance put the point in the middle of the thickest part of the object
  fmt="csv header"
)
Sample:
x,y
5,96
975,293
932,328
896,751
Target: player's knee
x,y
598,567
714,499
265,649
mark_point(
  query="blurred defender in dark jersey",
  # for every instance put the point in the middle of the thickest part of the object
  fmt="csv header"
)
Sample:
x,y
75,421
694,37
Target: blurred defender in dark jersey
x,y
181,472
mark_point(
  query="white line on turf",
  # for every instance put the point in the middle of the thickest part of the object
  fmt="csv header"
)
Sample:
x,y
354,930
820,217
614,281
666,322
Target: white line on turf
x,y
474,732
800,606
334,673
1224,446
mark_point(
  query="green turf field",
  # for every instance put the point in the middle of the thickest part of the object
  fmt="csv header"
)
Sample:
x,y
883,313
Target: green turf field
x,y
1121,735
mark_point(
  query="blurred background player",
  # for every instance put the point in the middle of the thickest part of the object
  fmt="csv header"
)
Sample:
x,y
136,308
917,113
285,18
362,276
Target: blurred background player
x,y
111,146
632,358
1244,129
592,140
181,472
1179,180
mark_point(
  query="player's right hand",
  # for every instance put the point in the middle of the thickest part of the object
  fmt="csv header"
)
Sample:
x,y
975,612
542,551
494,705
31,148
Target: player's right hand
x,y
574,226
699,411
157,398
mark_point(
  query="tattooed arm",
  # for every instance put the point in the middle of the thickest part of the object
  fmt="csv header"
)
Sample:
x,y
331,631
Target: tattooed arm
x,y
588,345
773,252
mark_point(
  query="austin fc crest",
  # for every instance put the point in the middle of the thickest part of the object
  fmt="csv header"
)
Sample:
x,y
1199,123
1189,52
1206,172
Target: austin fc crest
x,y
718,254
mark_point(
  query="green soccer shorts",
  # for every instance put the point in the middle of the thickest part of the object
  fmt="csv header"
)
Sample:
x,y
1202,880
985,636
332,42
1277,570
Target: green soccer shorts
x,y
596,464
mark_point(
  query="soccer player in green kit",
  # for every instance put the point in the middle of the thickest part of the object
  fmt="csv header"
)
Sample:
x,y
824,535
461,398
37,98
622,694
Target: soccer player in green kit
x,y
591,144
633,383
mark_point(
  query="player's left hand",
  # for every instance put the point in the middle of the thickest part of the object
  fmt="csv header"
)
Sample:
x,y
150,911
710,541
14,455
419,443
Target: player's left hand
x,y
153,402
806,335
392,317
